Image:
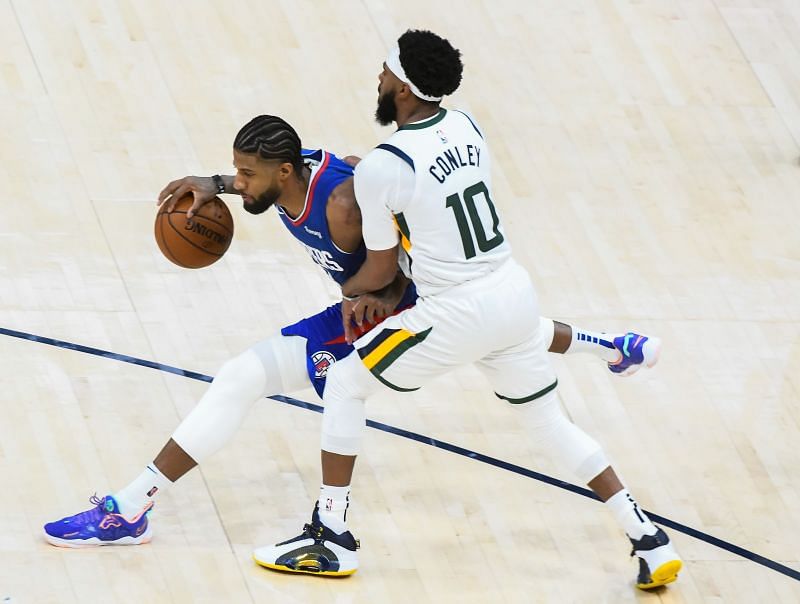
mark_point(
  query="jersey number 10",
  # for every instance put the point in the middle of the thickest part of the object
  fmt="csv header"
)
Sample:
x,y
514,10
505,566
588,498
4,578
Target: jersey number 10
x,y
484,245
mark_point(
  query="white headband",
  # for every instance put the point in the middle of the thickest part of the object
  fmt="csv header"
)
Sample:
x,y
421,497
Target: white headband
x,y
393,63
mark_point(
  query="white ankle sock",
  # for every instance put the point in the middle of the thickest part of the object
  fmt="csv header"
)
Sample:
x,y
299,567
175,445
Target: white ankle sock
x,y
134,497
597,343
333,504
633,520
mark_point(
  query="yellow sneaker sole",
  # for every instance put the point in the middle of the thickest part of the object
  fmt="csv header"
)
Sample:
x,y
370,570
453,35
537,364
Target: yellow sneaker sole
x,y
664,574
310,570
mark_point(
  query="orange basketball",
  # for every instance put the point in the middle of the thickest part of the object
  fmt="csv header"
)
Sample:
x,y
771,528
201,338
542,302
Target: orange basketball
x,y
199,241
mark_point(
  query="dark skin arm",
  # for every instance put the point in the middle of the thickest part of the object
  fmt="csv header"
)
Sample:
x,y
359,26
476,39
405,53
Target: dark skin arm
x,y
378,271
380,304
380,267
378,293
365,310
344,217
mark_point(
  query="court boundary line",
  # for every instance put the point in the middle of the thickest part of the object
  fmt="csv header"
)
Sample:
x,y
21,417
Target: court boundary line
x,y
426,440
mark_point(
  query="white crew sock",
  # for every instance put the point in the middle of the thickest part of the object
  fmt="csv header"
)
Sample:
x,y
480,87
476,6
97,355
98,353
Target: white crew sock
x,y
597,343
139,493
631,517
333,504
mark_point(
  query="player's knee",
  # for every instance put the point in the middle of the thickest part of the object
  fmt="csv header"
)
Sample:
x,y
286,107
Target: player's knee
x,y
214,420
346,387
591,466
548,329
347,379
243,377
283,362
343,423
570,447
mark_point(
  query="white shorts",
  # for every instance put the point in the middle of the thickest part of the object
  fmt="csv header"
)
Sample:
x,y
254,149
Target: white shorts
x,y
492,322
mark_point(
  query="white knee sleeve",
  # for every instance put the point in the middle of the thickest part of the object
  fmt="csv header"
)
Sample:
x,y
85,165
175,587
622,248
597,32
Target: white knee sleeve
x,y
284,360
270,367
347,386
567,443
548,328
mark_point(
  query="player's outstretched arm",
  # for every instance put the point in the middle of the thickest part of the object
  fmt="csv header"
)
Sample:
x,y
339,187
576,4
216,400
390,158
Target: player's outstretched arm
x,y
378,271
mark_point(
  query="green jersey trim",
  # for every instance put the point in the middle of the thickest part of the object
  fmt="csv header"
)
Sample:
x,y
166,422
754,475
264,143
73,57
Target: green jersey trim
x,y
425,123
527,399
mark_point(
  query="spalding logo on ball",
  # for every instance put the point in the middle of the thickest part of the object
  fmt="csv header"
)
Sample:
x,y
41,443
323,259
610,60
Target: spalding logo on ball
x,y
198,241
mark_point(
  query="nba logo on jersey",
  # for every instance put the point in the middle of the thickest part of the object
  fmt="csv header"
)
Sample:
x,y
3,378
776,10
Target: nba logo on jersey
x,y
442,137
322,361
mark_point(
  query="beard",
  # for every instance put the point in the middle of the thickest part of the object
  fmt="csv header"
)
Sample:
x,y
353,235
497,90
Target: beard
x,y
386,112
265,201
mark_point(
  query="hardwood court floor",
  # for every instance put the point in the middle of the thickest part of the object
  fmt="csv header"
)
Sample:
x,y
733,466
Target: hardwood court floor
x,y
646,166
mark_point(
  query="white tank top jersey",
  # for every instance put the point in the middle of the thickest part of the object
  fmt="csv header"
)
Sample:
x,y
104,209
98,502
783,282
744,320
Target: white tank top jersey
x,y
428,187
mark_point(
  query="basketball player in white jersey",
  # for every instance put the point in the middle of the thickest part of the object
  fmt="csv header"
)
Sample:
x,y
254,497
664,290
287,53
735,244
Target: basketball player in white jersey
x,y
313,194
428,190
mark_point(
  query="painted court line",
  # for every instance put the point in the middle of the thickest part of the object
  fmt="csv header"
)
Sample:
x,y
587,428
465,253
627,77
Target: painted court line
x,y
427,440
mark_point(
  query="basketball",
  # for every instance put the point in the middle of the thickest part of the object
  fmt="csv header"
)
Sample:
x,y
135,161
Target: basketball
x,y
199,241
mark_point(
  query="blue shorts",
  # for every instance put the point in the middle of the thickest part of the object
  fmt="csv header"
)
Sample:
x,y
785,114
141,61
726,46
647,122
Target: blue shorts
x,y
324,334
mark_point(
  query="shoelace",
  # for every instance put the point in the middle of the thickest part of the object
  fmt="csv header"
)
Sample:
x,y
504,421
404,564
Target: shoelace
x,y
94,514
654,541
315,532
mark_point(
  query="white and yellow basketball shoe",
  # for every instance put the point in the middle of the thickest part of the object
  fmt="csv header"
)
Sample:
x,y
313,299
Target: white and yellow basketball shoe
x,y
317,551
659,563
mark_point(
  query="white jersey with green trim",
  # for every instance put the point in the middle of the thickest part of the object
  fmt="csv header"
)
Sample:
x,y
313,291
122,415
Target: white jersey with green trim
x,y
431,181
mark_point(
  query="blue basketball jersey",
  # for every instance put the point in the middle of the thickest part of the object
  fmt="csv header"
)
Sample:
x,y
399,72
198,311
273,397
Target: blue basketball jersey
x,y
324,332
311,227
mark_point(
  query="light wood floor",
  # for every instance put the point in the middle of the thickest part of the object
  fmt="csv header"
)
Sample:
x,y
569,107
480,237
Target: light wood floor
x,y
646,165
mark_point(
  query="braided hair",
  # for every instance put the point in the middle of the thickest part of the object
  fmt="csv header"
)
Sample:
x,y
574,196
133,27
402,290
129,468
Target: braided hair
x,y
270,137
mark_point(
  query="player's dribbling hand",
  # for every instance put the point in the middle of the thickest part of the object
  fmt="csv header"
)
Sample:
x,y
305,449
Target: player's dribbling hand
x,y
365,310
349,305
202,187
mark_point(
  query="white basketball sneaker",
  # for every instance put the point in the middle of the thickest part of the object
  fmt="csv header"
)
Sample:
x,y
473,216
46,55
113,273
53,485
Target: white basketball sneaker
x,y
317,551
659,563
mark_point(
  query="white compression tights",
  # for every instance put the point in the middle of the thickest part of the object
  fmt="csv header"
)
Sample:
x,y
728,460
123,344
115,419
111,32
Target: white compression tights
x,y
278,365
349,384
273,366
563,441
548,328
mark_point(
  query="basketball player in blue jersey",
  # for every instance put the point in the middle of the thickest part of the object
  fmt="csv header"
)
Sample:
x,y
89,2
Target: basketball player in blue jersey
x,y
313,192
427,190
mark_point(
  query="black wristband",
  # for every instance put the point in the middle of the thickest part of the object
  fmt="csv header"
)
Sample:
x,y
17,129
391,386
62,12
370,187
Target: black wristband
x,y
218,183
